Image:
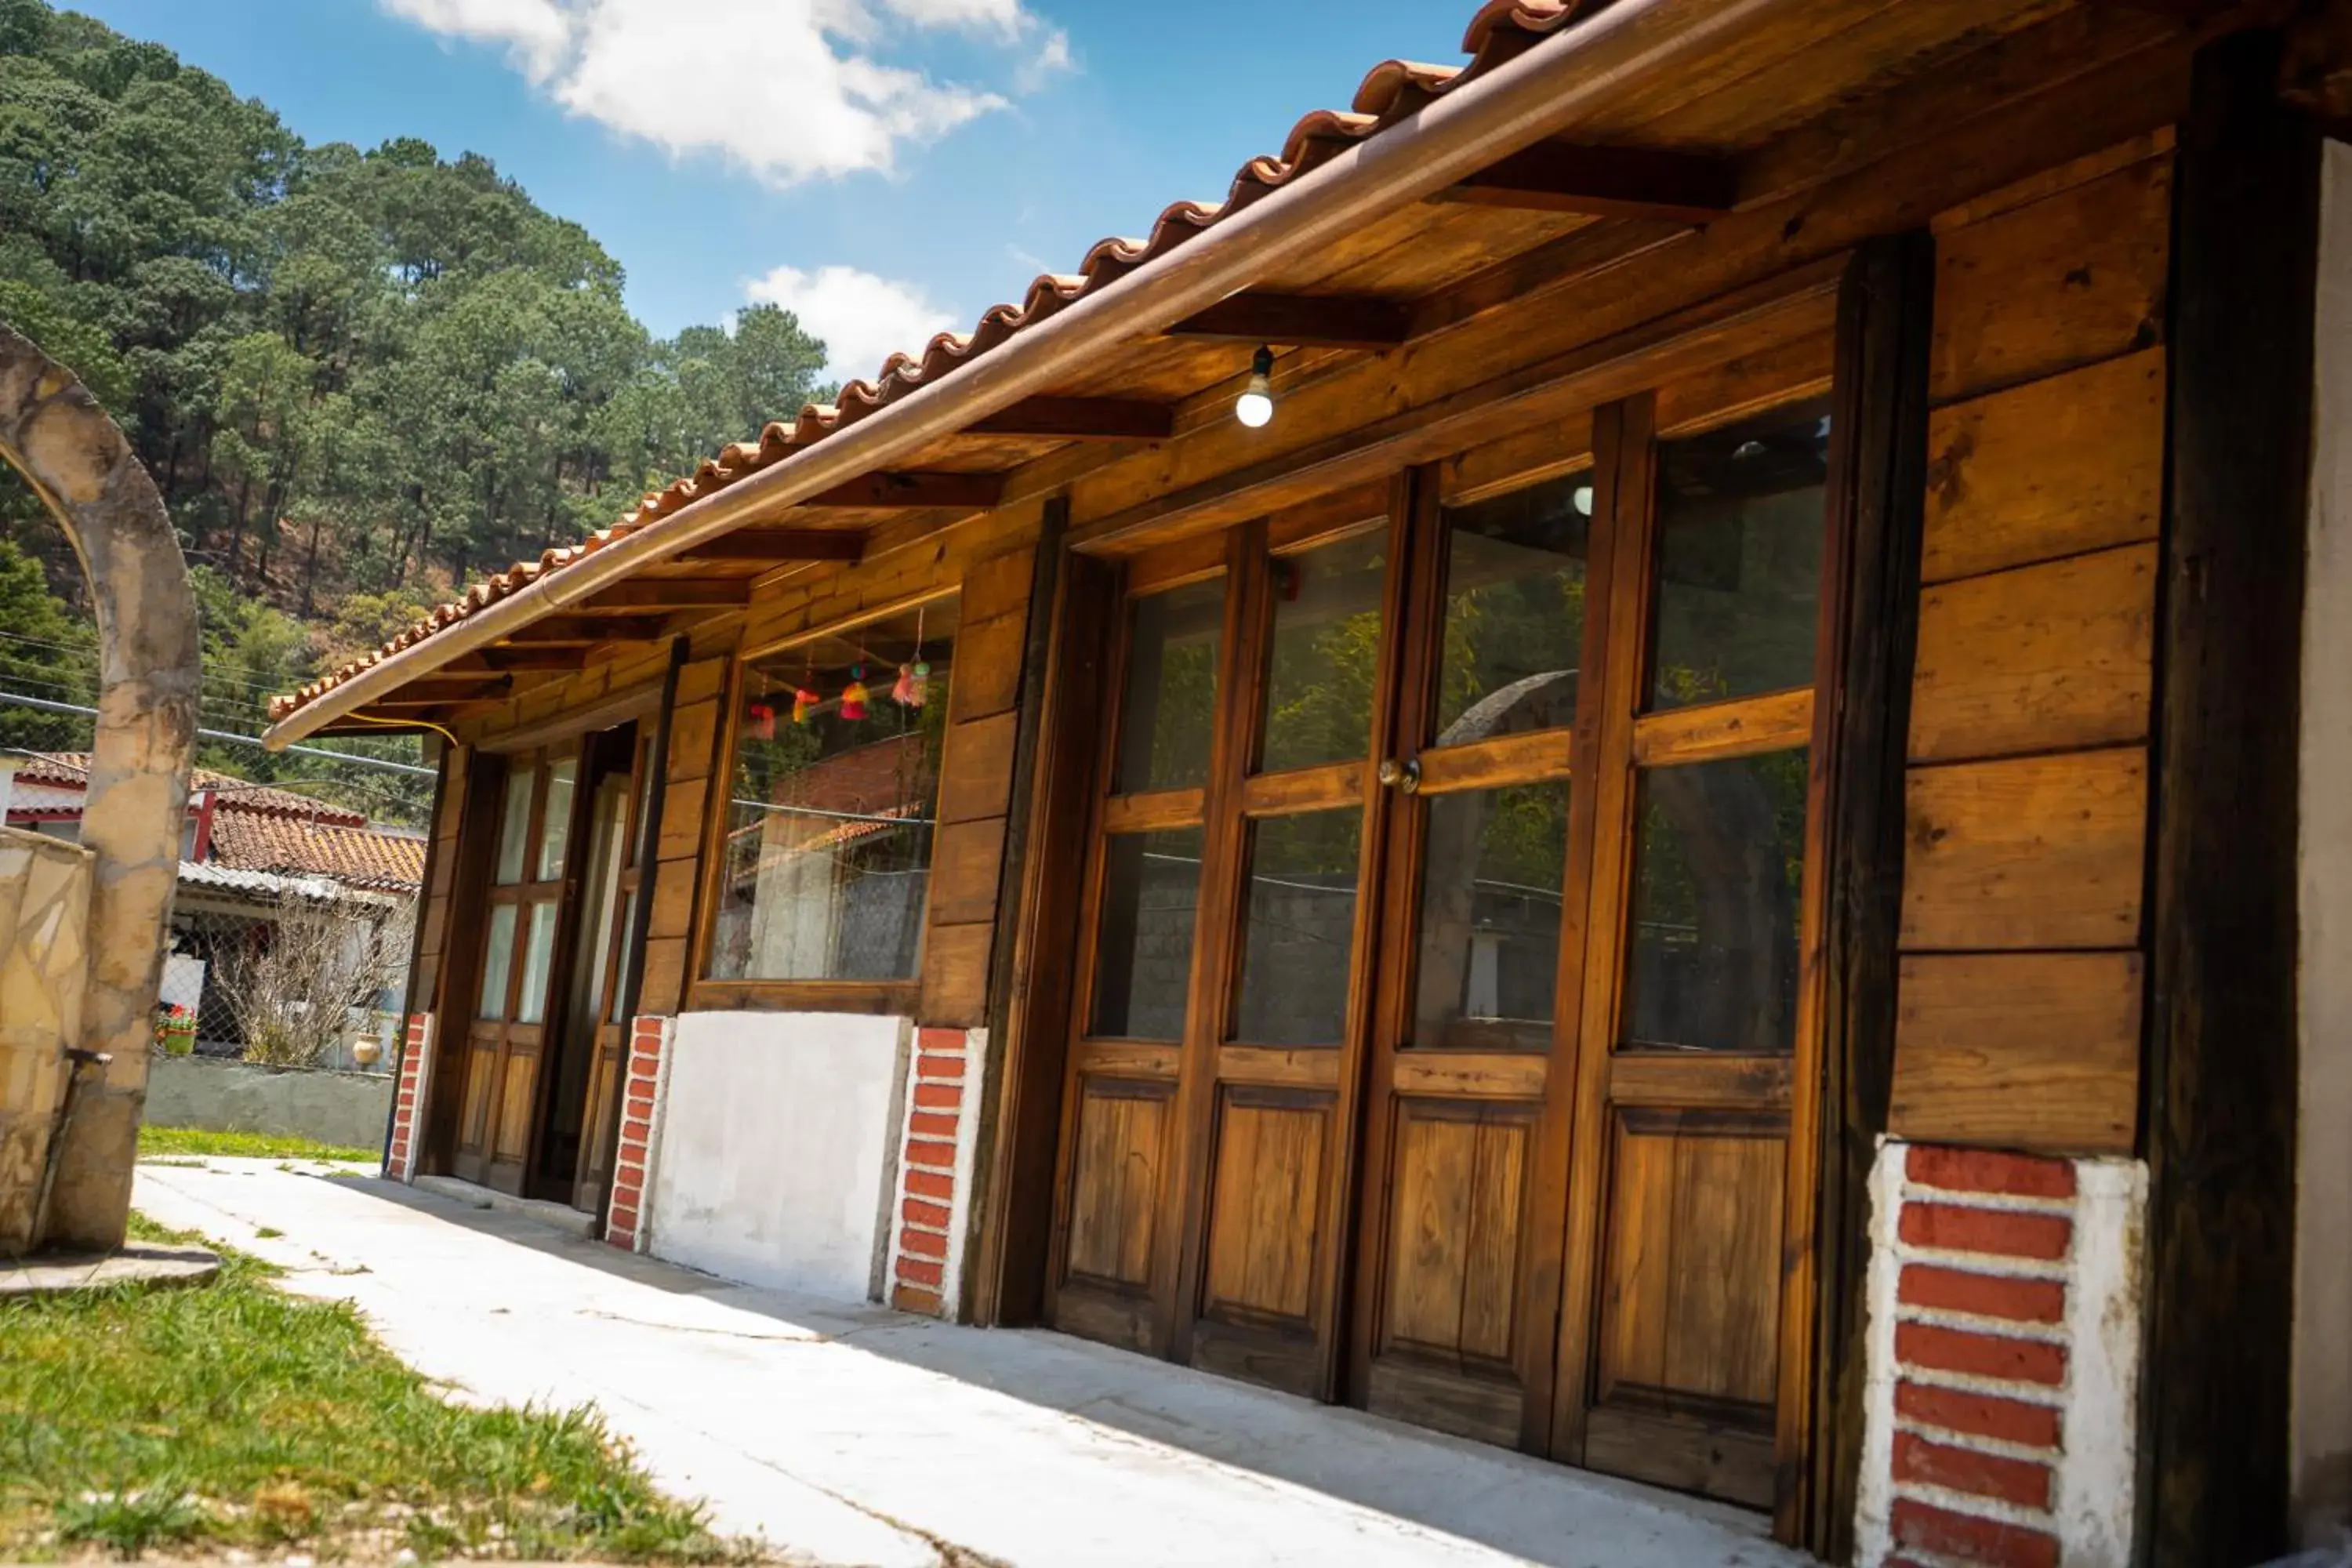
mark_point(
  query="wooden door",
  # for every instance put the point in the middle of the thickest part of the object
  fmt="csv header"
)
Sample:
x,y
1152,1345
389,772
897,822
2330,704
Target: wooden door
x,y
1458,1251
521,927
602,1026
1683,1333
1211,1100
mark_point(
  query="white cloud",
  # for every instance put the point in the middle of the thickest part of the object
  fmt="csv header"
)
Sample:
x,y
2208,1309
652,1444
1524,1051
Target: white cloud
x,y
790,88
862,318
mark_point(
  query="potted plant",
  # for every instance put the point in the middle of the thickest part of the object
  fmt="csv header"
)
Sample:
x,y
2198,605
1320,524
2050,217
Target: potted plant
x,y
176,1030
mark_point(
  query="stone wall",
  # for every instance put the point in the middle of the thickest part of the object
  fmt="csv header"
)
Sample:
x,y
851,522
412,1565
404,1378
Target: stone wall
x,y
347,1109
44,971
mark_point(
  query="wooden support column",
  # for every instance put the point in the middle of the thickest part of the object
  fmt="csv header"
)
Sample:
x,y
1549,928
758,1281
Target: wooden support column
x,y
1870,637
2220,1085
1072,598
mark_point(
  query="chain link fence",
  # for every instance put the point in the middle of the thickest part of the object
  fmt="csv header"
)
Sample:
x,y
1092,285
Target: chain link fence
x,y
285,971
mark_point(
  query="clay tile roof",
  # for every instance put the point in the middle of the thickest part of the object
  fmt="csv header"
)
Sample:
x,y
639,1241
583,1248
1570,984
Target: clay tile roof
x,y
1392,90
72,768
357,856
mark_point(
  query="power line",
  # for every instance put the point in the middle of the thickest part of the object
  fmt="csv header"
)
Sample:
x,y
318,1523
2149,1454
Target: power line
x,y
46,706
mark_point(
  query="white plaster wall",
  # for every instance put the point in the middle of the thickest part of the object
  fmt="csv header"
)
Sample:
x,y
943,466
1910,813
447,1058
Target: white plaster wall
x,y
776,1147
2323,1334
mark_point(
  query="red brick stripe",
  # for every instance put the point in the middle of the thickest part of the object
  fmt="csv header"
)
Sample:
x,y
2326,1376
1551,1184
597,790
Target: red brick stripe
x,y
1924,1528
2041,1237
1982,1171
1986,1295
1982,1355
1979,1415
2023,1482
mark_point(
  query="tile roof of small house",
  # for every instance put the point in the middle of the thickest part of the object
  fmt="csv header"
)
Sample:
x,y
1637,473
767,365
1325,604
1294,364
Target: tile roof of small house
x,y
71,770
1391,91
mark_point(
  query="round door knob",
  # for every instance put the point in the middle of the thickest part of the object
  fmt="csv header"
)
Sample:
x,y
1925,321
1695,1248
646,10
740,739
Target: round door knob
x,y
1391,770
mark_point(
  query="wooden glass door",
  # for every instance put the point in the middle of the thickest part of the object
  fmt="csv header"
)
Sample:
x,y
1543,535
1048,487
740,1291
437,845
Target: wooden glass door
x,y
1450,943
1685,1327
583,1113
1458,1257
520,926
1211,1100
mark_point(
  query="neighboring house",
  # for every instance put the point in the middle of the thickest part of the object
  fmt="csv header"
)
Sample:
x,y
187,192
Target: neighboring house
x,y
1689,861
246,850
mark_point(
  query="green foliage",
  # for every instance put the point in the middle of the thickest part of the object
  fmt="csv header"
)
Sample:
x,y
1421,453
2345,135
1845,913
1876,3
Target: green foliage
x,y
44,651
354,374
234,1414
201,1141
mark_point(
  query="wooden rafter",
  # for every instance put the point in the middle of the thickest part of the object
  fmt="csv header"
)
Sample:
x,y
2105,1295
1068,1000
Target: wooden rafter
x,y
1301,320
433,693
1080,419
771,544
1606,181
668,593
587,630
977,491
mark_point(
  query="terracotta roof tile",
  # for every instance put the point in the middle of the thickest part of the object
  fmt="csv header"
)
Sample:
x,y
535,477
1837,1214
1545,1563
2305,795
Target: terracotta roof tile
x,y
72,768
358,856
1392,90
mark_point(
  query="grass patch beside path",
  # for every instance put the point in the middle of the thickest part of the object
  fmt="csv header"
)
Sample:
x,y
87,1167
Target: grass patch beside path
x,y
155,1140
232,1414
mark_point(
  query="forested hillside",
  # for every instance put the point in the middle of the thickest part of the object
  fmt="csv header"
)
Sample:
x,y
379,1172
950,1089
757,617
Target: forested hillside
x,y
358,376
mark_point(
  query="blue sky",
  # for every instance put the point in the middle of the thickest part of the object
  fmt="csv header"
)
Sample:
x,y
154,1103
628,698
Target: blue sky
x,y
884,166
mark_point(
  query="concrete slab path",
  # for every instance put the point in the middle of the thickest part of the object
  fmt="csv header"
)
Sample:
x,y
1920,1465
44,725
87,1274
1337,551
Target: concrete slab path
x,y
858,1434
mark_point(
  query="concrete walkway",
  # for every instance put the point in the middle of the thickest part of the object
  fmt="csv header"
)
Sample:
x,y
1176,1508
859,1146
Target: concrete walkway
x,y
858,1435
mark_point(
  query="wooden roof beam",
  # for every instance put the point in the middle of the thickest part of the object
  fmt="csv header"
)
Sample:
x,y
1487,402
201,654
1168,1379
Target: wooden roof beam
x,y
977,491
585,629
434,693
772,546
1301,320
1080,419
1605,182
668,594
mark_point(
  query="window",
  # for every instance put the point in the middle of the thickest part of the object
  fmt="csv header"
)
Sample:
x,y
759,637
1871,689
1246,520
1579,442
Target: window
x,y
832,791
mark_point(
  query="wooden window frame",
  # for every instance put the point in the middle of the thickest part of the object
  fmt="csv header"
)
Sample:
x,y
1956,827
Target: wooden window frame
x,y
900,998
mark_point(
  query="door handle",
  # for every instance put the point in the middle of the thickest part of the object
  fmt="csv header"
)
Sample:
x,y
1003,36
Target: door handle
x,y
1404,775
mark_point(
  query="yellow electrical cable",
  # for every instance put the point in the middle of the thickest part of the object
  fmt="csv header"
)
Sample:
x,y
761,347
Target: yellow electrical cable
x,y
402,724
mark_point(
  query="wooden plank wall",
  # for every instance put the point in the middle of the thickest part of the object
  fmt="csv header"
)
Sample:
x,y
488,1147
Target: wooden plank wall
x,y
695,728
2022,939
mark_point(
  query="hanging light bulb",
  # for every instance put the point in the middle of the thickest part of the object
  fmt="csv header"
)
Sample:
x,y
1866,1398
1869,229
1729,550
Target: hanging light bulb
x,y
1254,407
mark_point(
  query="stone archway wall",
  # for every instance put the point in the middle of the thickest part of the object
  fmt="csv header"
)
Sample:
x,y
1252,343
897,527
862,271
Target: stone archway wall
x,y
54,433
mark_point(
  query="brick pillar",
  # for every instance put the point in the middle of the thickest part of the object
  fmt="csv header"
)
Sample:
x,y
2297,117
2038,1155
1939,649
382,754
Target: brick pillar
x,y
2005,1349
627,1217
401,1154
935,1175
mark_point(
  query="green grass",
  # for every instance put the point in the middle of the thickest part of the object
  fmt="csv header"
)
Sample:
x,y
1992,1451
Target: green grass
x,y
231,1415
155,1140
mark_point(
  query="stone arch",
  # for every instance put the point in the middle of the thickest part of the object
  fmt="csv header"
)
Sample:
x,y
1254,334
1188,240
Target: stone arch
x,y
54,435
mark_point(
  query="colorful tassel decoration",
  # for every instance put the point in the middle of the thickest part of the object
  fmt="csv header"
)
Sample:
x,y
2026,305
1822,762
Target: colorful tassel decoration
x,y
914,685
763,721
853,695
805,703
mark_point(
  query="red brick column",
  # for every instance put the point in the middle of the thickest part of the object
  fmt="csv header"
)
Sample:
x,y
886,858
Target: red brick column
x,y
2004,1348
934,1176
641,1085
400,1155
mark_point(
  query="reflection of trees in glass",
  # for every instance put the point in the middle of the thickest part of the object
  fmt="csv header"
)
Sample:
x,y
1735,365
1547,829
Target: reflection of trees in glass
x,y
1326,640
1719,882
1504,631
1183,714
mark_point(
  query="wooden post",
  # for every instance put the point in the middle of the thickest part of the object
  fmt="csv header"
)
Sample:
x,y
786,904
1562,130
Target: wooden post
x,y
1055,744
1869,637
2220,1085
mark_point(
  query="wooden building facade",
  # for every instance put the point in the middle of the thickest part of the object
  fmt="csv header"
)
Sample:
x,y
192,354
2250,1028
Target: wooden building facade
x,y
1688,861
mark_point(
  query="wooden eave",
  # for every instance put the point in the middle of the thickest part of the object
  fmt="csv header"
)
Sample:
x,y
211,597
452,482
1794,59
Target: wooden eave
x,y
1847,86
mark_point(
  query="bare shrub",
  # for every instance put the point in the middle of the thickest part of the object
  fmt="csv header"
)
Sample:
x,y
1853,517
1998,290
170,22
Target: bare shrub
x,y
293,987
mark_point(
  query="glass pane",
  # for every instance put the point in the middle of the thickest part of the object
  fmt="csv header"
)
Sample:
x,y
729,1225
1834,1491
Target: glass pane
x,y
497,962
589,970
1712,955
555,827
514,824
1298,931
1170,698
833,791
1492,872
1143,958
1740,523
1514,611
1327,640
538,951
